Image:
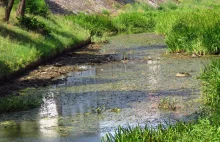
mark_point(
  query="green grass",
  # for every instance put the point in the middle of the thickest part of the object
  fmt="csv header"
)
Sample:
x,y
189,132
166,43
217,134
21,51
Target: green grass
x,y
20,102
202,131
195,32
20,46
135,22
211,84
192,27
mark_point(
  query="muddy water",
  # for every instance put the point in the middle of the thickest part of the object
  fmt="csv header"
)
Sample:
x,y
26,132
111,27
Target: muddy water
x,y
87,104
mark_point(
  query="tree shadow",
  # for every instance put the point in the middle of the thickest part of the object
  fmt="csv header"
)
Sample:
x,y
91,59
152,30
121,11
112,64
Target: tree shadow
x,y
39,45
4,69
56,8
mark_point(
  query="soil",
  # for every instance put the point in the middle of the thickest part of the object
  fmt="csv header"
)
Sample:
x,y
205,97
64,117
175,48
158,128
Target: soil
x,y
92,6
46,74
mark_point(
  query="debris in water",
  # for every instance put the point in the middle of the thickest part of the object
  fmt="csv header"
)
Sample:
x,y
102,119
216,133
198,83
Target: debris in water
x,y
182,74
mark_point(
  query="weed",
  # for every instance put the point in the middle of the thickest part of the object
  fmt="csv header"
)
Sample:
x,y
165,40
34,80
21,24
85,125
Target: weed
x,y
31,23
167,104
20,102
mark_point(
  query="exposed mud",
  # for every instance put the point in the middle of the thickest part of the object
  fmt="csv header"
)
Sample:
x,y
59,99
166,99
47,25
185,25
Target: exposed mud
x,y
124,83
46,74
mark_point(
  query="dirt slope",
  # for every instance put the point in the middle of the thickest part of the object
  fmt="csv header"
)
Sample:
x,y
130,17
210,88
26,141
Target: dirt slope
x,y
90,6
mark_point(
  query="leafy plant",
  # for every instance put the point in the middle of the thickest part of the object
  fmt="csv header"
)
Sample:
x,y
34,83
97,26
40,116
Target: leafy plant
x,y
135,22
20,102
167,104
31,23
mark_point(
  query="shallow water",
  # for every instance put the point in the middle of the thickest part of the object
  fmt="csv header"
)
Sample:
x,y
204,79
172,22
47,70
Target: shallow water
x,y
87,104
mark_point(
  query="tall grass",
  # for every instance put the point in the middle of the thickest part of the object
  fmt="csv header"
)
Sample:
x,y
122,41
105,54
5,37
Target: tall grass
x,y
211,84
135,22
202,131
195,32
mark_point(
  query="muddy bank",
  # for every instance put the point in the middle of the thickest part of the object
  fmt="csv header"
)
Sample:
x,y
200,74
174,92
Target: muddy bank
x,y
9,83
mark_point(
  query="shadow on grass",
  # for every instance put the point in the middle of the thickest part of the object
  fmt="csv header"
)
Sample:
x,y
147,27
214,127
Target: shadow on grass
x,y
4,69
40,45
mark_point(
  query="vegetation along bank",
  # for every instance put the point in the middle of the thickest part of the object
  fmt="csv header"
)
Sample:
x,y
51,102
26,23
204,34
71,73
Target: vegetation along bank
x,y
190,27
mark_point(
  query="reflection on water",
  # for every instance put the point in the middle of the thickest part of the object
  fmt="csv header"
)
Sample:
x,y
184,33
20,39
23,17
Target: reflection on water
x,y
81,107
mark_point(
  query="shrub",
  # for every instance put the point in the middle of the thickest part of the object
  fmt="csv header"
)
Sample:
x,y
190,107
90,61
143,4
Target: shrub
x,y
135,22
19,103
36,7
96,24
195,32
31,23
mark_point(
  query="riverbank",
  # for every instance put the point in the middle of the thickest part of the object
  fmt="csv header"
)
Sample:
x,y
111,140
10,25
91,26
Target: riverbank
x,y
22,49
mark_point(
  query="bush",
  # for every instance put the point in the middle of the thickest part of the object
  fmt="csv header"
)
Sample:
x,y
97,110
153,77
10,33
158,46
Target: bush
x,y
19,103
36,7
97,24
195,32
31,23
135,22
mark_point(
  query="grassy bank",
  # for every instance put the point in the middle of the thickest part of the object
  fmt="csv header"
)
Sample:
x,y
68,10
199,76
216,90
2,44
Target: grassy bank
x,y
24,41
21,45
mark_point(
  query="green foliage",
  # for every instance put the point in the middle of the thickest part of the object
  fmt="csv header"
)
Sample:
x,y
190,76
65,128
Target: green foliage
x,y
135,22
211,84
202,131
167,104
20,47
168,5
35,7
137,7
31,23
96,24
19,103
195,32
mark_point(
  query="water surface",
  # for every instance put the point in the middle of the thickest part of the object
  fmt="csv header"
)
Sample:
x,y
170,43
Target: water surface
x,y
87,104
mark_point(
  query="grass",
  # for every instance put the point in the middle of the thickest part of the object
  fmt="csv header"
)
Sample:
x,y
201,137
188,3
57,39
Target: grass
x,y
202,131
192,27
20,46
167,104
20,102
195,32
211,84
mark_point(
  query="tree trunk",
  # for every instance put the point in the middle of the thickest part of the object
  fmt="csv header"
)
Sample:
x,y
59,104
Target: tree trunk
x,y
8,10
21,8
